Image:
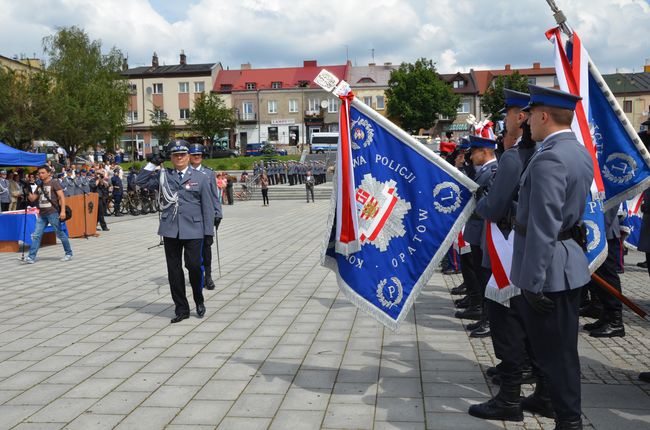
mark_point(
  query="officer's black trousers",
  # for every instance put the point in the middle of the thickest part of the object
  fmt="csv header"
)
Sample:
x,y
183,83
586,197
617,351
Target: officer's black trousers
x,y
207,255
476,288
117,202
101,209
469,276
554,342
174,249
508,339
608,272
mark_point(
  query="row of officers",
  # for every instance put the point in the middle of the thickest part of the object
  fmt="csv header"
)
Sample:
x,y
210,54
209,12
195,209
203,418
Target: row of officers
x,y
534,322
291,172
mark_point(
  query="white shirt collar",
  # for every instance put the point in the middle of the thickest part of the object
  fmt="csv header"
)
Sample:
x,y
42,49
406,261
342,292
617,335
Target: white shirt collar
x,y
184,171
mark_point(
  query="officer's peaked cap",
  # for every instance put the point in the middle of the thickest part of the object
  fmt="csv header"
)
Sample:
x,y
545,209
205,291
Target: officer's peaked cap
x,y
178,146
514,98
542,96
481,142
196,148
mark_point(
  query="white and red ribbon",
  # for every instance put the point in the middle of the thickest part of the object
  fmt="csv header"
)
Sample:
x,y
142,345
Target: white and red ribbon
x,y
499,288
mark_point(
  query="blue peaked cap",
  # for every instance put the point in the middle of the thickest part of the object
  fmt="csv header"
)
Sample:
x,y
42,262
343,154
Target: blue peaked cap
x,y
514,98
481,142
178,146
464,143
542,96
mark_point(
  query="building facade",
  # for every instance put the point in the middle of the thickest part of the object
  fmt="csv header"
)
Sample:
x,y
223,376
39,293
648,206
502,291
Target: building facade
x,y
632,91
168,90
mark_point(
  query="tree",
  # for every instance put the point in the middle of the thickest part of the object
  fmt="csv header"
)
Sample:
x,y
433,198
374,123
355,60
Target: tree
x,y
417,96
493,101
89,97
162,128
210,117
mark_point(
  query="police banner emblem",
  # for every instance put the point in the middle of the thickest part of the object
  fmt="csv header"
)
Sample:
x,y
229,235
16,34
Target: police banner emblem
x,y
632,222
410,207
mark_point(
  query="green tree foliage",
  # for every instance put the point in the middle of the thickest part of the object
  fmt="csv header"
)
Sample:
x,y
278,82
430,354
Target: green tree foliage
x,y
162,127
417,96
210,117
88,95
493,101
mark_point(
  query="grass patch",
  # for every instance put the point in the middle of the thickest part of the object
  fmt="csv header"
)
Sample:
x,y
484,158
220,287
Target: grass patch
x,y
238,163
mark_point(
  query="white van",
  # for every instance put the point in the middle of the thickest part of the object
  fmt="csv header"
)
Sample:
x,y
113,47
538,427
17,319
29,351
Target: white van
x,y
323,142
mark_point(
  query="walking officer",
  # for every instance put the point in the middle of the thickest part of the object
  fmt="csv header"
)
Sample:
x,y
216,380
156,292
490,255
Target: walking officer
x,y
197,151
187,217
548,262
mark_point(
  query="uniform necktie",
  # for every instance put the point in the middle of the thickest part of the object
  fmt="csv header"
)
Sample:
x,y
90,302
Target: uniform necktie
x,y
180,176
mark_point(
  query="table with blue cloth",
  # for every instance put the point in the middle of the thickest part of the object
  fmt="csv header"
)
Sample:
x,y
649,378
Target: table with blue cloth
x,y
12,228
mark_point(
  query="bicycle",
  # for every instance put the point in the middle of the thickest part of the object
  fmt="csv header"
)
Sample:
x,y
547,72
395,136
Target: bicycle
x,y
243,194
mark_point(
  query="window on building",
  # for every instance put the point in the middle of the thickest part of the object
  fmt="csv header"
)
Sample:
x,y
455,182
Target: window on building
x,y
276,85
225,87
199,87
273,134
250,85
159,114
532,81
157,88
464,106
367,100
133,88
556,83
459,83
132,116
183,87
273,106
247,111
627,106
333,106
381,104
185,114
293,106
314,105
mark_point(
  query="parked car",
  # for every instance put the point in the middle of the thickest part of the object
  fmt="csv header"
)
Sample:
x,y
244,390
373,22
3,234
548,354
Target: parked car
x,y
263,148
219,151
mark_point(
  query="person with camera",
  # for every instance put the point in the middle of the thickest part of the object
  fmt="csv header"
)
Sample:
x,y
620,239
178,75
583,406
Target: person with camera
x,y
51,202
98,185
197,152
187,217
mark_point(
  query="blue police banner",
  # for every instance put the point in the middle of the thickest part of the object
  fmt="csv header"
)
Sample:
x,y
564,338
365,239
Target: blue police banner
x,y
410,205
632,221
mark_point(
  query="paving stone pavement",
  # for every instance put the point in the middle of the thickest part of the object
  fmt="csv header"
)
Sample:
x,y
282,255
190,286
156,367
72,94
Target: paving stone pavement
x,y
87,344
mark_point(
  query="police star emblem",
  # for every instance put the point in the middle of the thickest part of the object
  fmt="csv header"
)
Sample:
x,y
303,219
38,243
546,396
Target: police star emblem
x,y
362,133
381,212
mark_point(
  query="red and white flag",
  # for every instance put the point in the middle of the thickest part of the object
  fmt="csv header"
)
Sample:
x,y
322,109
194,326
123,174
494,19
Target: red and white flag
x,y
499,288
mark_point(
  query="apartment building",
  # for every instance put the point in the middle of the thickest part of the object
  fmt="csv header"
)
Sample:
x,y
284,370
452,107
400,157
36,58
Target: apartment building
x,y
632,91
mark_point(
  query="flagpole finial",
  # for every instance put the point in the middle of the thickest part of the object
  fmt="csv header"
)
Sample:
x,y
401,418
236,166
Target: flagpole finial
x,y
559,16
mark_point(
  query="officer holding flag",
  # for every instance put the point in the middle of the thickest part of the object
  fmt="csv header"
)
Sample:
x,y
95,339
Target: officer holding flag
x,y
549,264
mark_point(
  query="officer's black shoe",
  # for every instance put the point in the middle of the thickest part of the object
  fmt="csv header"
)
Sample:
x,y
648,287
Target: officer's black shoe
x,y
644,376
539,402
591,311
462,303
491,371
613,328
506,406
459,290
643,264
473,326
179,318
209,283
471,313
568,425
200,310
596,324
482,331
450,271
106,229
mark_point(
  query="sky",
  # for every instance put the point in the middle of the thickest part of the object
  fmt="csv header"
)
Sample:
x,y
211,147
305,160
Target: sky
x,y
456,34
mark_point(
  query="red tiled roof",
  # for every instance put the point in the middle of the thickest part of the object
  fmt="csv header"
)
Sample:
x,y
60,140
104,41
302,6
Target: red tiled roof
x,y
484,77
290,77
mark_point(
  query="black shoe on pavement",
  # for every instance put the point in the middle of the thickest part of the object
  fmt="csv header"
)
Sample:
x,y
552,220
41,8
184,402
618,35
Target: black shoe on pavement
x,y
483,330
200,310
462,303
643,264
610,329
209,283
471,313
538,406
459,290
506,406
450,271
179,318
568,425
492,371
644,376
473,326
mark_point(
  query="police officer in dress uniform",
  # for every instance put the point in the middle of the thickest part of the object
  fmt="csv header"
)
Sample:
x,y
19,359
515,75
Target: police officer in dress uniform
x,y
118,190
549,264
475,275
197,151
507,332
69,186
84,184
187,217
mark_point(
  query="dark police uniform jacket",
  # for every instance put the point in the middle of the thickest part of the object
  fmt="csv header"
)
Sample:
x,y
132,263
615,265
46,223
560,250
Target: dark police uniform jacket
x,y
194,218
644,234
475,225
552,198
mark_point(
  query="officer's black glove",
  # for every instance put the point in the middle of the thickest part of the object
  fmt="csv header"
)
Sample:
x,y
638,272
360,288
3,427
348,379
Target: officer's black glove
x,y
157,159
217,221
539,302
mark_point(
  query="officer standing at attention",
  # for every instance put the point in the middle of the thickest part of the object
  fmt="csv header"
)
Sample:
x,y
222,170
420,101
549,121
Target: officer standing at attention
x,y
187,217
197,151
118,189
69,186
548,263
507,332
485,162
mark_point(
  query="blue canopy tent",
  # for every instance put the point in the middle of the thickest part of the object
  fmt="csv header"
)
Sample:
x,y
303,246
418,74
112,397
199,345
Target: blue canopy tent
x,y
15,157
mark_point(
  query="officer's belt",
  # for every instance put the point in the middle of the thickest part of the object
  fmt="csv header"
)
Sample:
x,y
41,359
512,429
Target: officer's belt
x,y
562,235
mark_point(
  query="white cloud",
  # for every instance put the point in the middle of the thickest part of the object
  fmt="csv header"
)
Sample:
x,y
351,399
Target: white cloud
x,y
456,34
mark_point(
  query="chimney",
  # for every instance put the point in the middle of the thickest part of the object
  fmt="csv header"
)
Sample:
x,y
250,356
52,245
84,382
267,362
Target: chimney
x,y
246,66
154,60
507,67
310,63
183,58
125,64
537,66
646,67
